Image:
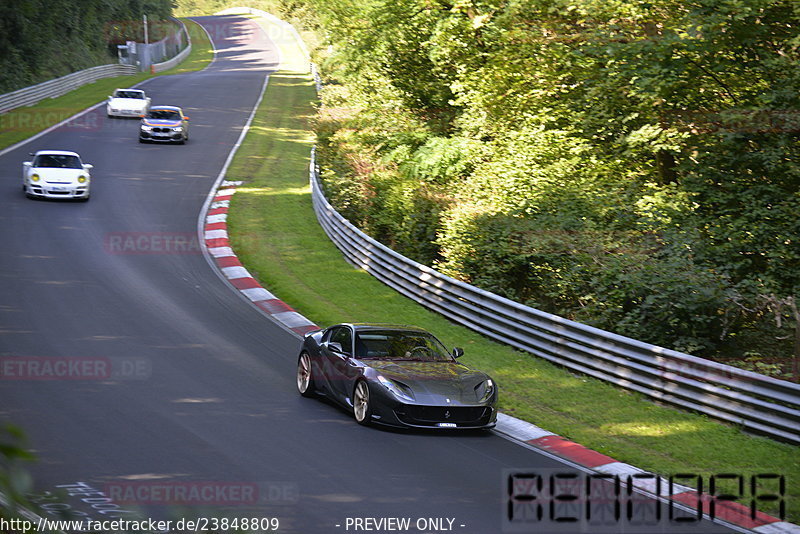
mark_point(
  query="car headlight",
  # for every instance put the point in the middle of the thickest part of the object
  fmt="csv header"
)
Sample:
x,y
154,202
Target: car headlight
x,y
401,391
146,128
34,177
177,129
82,179
484,390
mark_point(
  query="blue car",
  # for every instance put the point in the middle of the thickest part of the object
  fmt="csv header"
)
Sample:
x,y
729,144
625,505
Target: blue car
x,y
166,124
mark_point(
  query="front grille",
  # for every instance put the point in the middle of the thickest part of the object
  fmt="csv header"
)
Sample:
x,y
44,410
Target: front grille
x,y
162,130
430,415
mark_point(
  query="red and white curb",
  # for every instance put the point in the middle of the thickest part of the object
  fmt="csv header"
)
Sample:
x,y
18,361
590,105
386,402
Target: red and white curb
x,y
730,512
218,245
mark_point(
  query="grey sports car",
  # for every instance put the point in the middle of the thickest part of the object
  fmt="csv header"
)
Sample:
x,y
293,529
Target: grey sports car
x,y
395,375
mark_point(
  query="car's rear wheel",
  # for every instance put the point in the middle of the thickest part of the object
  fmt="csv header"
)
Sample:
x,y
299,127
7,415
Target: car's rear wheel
x,y
305,380
362,409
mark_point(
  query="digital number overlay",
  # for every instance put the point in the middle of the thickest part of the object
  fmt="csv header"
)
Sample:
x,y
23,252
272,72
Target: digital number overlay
x,y
549,500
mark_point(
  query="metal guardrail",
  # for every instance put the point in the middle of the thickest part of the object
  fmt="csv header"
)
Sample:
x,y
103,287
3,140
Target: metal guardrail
x,y
757,403
60,86
183,54
29,96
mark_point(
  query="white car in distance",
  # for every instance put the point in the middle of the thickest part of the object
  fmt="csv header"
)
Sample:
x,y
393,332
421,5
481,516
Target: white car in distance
x,y
56,174
127,103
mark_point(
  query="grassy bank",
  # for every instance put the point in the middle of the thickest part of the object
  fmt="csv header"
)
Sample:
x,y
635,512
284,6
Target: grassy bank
x,y
275,232
21,123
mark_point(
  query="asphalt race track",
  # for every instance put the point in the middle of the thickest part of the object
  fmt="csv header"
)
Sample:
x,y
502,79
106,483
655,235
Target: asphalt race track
x,y
181,400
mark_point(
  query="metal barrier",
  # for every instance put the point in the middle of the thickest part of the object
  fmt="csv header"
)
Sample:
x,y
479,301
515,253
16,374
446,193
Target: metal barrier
x,y
60,86
183,54
755,402
63,85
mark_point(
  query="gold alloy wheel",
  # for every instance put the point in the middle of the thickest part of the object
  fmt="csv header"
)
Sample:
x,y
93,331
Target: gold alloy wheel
x,y
361,408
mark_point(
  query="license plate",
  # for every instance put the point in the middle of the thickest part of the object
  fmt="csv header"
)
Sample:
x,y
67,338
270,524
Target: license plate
x,y
447,425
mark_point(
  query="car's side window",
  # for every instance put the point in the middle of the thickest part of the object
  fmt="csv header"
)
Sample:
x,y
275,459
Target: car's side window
x,y
343,336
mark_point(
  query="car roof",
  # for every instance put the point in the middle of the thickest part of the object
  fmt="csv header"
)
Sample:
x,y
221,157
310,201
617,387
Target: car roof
x,y
55,153
171,108
384,326
137,90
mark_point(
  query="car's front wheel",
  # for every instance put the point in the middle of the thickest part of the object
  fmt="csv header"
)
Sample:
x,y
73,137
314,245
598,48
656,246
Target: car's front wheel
x,y
305,380
362,409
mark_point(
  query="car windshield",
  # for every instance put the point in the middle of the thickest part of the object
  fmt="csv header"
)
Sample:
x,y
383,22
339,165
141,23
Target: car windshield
x,y
164,115
130,94
57,161
406,345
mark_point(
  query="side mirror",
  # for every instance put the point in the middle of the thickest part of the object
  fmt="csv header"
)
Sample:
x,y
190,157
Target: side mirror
x,y
335,347
88,166
458,352
186,118
27,163
338,349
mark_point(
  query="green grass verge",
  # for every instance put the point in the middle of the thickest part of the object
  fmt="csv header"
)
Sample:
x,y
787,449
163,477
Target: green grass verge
x,y
21,123
276,235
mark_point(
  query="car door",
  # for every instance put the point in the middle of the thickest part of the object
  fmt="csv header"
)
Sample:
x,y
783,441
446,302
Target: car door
x,y
335,362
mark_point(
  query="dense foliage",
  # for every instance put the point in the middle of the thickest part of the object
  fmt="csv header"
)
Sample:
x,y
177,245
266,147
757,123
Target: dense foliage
x,y
631,165
45,39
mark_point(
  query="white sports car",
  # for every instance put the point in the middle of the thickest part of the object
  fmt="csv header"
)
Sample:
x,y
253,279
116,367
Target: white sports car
x,y
56,174
127,103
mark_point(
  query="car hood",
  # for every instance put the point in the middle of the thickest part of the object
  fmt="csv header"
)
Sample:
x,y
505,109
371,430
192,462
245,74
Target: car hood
x,y
55,175
127,103
430,381
160,122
